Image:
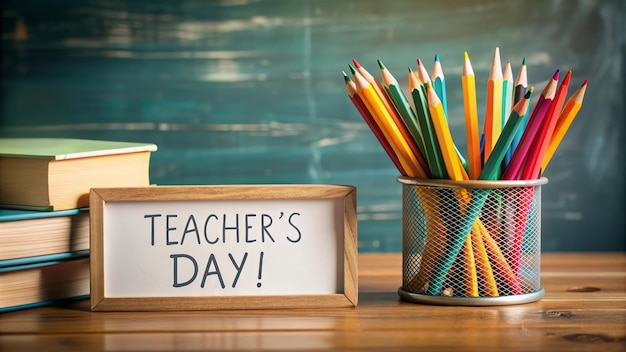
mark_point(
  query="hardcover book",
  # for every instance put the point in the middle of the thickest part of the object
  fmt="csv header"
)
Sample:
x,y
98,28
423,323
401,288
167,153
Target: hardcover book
x,y
38,284
57,173
26,235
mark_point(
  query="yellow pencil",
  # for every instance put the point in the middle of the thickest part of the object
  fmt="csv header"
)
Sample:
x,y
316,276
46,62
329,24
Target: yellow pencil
x,y
444,137
493,110
391,132
566,118
471,119
378,87
469,265
483,266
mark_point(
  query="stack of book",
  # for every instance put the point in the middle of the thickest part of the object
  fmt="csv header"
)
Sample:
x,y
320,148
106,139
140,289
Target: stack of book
x,y
44,212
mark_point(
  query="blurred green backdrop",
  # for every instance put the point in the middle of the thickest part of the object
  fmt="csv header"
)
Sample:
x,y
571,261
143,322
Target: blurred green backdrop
x,y
243,91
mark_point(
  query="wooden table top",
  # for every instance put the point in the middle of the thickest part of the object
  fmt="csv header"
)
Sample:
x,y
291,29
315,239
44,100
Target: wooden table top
x,y
584,309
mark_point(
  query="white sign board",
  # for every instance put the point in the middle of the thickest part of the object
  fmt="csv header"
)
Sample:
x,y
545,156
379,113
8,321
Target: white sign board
x,y
223,247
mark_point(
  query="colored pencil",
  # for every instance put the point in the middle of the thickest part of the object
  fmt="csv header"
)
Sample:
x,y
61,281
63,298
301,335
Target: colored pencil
x,y
469,267
468,81
483,267
433,151
377,87
539,147
444,136
369,119
502,267
491,170
422,75
567,116
512,171
507,92
390,130
439,84
521,82
493,109
402,106
521,85
393,114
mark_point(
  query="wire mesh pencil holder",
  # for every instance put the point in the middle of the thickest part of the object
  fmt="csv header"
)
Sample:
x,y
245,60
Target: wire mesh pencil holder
x,y
471,242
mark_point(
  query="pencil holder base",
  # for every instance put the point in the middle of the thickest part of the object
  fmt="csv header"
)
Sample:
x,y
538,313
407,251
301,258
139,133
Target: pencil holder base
x,y
470,301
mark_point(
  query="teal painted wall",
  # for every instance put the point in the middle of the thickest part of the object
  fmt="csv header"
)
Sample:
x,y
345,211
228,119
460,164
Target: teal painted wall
x,y
251,91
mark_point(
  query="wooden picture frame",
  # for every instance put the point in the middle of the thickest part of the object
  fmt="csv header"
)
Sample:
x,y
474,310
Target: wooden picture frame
x,y
103,202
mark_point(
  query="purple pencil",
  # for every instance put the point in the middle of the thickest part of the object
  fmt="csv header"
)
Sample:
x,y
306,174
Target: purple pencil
x,y
539,112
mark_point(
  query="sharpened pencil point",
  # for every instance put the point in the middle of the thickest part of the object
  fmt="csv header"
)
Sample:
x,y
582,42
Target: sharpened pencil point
x,y
524,61
530,91
352,69
345,77
380,64
567,78
436,57
556,75
585,82
419,61
356,63
465,56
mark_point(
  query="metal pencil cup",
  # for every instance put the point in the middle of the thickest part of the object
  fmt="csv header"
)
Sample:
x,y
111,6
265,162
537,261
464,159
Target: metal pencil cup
x,y
472,243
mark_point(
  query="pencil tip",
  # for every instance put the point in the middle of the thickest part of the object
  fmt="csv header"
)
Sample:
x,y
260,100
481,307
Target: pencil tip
x,y
465,56
346,78
530,91
585,82
567,77
524,61
419,62
410,71
436,57
356,63
556,75
352,69
380,64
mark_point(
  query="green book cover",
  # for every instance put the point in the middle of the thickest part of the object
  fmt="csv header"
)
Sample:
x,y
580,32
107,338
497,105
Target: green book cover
x,y
67,148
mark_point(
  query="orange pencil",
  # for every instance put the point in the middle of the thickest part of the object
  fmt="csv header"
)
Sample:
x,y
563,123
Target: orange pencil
x,y
369,119
566,118
393,113
390,130
493,110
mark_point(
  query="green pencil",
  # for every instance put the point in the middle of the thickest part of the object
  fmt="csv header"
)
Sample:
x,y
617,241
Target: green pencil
x,y
433,153
491,170
507,92
439,84
402,106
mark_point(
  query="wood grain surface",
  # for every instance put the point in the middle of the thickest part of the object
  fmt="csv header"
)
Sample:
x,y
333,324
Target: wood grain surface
x,y
584,309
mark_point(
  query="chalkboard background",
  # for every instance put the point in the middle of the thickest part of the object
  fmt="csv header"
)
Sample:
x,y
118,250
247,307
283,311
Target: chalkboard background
x,y
242,91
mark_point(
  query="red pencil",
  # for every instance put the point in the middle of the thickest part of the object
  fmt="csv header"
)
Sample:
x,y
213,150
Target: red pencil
x,y
513,170
532,168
